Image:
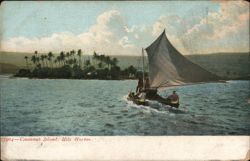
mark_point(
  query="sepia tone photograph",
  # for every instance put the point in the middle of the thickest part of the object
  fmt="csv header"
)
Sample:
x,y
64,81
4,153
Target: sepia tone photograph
x,y
124,68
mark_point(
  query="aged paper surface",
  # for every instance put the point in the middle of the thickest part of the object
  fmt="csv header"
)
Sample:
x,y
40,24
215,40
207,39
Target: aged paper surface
x,y
125,148
47,34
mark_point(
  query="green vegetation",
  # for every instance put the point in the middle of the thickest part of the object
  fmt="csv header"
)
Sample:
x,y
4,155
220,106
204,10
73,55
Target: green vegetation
x,y
226,65
71,65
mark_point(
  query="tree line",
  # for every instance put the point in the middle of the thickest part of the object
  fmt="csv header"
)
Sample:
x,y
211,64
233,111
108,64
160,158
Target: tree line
x,y
71,64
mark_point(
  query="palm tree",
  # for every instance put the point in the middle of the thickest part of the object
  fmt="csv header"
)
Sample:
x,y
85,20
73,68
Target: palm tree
x,y
36,53
42,59
37,60
68,55
55,61
79,54
101,58
95,58
33,59
95,55
62,57
50,55
72,53
45,60
58,59
26,59
114,62
107,61
74,61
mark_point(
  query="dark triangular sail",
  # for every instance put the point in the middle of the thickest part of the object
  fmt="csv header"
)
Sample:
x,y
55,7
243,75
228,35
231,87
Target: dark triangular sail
x,y
168,67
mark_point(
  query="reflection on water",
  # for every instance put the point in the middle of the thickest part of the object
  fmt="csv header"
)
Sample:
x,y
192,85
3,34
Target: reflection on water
x,y
95,107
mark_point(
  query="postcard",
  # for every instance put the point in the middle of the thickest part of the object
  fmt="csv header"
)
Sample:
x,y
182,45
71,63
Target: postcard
x,y
125,80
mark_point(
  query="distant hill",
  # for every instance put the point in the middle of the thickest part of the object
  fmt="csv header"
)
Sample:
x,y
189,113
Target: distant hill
x,y
13,58
230,65
8,68
226,65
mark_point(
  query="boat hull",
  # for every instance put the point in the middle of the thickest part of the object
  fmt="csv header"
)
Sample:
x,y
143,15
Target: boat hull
x,y
136,100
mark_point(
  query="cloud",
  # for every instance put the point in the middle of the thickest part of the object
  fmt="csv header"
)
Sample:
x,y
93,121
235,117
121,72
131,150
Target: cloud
x,y
222,30
55,42
108,36
230,19
225,30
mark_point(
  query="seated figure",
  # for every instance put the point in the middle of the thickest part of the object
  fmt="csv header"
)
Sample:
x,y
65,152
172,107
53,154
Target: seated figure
x,y
174,98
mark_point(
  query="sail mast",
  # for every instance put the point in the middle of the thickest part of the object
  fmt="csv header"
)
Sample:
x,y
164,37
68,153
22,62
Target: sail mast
x,y
143,75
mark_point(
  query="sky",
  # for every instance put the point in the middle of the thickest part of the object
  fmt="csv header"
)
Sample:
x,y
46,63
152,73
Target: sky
x,y
124,27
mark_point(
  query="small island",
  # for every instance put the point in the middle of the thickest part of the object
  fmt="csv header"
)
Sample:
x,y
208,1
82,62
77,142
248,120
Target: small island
x,y
72,65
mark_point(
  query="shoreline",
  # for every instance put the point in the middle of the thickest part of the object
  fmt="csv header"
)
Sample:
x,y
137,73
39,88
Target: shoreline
x,y
13,76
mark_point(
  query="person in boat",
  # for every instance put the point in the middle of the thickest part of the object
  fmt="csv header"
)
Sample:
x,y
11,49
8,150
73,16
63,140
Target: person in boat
x,y
139,85
131,95
174,97
147,84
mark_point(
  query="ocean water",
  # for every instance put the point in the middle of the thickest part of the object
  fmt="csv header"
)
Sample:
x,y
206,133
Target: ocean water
x,y
34,107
